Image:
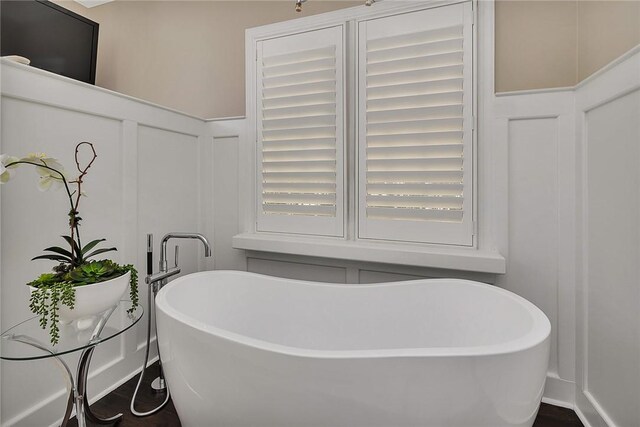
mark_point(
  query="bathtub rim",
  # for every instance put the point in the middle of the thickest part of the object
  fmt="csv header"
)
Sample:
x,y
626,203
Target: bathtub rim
x,y
537,335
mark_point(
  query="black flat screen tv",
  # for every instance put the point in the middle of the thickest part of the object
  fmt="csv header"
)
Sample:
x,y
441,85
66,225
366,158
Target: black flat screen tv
x,y
52,37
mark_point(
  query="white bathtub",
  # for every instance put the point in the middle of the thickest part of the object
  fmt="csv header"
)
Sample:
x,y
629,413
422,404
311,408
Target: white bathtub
x,y
242,349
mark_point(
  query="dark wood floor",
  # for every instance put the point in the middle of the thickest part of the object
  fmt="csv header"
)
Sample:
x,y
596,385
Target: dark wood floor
x,y
119,399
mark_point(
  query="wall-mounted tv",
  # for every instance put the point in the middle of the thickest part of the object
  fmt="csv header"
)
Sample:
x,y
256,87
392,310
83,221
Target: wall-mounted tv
x,y
52,37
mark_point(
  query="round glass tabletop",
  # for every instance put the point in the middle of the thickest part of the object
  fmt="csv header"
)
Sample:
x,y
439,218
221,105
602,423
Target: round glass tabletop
x,y
28,341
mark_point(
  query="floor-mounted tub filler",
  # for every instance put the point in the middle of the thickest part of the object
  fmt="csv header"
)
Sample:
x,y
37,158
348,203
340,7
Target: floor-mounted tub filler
x,y
242,349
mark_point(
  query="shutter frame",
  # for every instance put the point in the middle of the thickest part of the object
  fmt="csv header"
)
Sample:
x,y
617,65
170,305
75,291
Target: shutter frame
x,y
397,151
300,133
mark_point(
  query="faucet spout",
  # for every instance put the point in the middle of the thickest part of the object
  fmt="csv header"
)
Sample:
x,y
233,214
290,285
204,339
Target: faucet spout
x,y
179,235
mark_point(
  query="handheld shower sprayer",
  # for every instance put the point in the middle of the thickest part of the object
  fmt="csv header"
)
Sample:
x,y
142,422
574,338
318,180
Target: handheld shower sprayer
x,y
149,254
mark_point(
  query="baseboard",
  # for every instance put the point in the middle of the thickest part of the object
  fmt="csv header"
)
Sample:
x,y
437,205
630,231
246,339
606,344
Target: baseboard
x,y
582,418
559,392
590,412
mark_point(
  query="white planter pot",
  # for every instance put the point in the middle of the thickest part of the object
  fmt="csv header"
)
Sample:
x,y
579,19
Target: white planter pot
x,y
92,300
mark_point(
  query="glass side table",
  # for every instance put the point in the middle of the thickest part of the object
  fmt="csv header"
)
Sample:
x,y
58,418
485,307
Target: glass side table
x,y
28,341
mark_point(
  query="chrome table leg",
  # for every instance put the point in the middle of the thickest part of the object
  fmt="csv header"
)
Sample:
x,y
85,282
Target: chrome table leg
x,y
82,402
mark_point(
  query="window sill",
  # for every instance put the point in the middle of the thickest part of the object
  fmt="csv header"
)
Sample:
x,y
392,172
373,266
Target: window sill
x,y
389,253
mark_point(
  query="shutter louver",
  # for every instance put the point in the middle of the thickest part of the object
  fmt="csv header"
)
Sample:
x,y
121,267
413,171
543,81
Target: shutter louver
x,y
299,136
421,152
415,145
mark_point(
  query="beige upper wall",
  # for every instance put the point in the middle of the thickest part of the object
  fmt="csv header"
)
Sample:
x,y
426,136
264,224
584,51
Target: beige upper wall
x,y
535,44
189,55
606,30
546,44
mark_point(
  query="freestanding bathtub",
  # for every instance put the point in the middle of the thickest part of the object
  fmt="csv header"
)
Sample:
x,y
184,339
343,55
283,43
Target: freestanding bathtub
x,y
243,349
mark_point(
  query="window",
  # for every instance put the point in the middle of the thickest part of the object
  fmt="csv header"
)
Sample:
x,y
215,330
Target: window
x,y
410,92
415,127
300,133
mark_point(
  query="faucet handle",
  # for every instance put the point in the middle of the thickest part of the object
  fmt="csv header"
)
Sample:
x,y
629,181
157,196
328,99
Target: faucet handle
x,y
176,252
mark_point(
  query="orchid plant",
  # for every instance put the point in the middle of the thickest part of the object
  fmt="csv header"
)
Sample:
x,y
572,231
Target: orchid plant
x,y
74,266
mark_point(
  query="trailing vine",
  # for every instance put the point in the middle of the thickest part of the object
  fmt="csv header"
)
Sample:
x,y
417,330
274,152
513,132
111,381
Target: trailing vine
x,y
45,302
133,287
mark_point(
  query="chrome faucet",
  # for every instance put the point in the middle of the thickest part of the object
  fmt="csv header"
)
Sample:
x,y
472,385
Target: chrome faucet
x,y
160,278
165,239
156,282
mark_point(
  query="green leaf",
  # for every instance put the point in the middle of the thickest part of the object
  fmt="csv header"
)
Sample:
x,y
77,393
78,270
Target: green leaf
x,y
73,244
52,258
91,245
100,251
60,251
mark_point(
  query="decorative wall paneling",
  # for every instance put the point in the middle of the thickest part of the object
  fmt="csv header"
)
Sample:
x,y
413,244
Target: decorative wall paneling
x,y
146,155
608,298
534,146
225,200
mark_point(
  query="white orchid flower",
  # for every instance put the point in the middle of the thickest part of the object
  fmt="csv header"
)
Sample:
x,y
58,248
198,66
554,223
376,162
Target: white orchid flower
x,y
6,172
49,180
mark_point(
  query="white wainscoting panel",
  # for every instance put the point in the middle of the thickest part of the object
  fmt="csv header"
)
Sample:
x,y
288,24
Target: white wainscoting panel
x,y
369,276
167,197
299,271
608,108
533,218
146,154
613,272
535,144
32,220
226,136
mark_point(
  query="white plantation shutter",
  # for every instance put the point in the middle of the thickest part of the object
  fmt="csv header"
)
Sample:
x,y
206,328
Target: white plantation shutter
x,y
415,127
300,129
